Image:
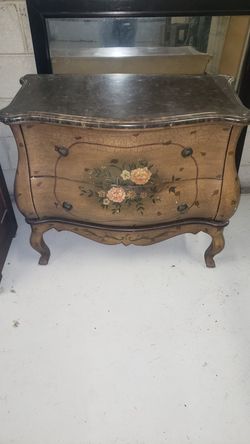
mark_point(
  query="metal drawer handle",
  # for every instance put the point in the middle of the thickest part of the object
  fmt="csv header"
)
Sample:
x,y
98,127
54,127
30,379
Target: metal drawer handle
x,y
182,207
67,206
62,150
186,152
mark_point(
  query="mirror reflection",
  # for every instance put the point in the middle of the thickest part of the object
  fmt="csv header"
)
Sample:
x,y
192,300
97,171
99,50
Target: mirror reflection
x,y
147,45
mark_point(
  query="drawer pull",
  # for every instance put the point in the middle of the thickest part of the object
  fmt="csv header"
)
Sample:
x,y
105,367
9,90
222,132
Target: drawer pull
x,y
62,150
186,152
182,207
67,206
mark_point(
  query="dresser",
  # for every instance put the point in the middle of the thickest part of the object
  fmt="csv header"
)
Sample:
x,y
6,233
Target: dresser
x,y
8,225
123,158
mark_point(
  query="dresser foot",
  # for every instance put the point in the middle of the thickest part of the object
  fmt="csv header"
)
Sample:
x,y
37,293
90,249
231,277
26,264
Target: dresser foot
x,y
37,242
215,247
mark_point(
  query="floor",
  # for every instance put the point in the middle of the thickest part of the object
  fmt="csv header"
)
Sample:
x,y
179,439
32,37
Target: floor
x,y
115,345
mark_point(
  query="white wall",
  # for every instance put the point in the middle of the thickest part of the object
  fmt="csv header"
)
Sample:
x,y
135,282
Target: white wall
x,y
17,59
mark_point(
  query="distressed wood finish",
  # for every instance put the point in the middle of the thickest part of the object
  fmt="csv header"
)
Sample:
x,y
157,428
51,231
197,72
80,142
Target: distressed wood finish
x,y
23,193
200,198
127,159
208,142
230,192
139,237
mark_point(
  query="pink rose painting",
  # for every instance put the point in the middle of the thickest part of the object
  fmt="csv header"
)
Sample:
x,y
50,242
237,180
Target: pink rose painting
x,y
116,194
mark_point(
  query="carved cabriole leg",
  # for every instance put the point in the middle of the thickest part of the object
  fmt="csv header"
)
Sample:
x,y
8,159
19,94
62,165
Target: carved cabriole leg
x,y
215,247
136,237
37,242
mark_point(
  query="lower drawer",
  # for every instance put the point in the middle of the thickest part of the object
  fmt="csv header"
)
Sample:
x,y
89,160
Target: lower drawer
x,y
142,204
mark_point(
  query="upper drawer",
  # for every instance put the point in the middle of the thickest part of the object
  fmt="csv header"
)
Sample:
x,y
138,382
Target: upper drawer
x,y
183,152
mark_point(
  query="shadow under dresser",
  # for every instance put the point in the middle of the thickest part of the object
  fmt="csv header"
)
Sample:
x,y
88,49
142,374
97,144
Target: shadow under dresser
x,y
129,159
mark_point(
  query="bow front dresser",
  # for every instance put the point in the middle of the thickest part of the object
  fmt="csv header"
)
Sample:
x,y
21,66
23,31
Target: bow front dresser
x,y
123,158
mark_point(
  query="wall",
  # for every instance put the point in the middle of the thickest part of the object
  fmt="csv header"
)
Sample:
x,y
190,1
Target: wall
x,y
17,59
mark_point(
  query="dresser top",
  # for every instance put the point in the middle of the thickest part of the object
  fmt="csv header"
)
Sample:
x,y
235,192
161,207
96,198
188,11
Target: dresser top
x,y
124,100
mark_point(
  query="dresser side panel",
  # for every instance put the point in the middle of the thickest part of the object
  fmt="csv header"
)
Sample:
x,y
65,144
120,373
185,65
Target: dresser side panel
x,y
23,193
230,192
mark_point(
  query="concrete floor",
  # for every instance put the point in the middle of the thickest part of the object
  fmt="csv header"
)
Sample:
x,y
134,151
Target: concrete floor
x,y
115,345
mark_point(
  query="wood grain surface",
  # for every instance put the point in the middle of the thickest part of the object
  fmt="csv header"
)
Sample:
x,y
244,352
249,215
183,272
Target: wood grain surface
x,y
144,175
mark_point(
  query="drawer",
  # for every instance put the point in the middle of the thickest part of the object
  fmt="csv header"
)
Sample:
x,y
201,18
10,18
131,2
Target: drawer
x,y
184,152
147,202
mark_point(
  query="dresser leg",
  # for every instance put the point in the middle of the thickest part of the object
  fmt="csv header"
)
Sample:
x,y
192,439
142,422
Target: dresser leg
x,y
215,247
37,242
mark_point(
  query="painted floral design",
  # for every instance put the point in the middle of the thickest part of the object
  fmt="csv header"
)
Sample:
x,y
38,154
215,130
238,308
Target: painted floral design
x,y
140,176
117,185
131,194
106,201
125,174
101,193
116,194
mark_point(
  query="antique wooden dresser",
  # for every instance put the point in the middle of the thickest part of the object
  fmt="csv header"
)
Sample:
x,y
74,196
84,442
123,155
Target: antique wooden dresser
x,y
123,158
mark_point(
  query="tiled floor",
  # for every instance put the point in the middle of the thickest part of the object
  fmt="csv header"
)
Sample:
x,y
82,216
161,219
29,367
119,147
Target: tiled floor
x,y
115,345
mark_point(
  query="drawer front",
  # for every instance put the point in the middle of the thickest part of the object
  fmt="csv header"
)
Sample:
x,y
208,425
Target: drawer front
x,y
143,202
181,153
